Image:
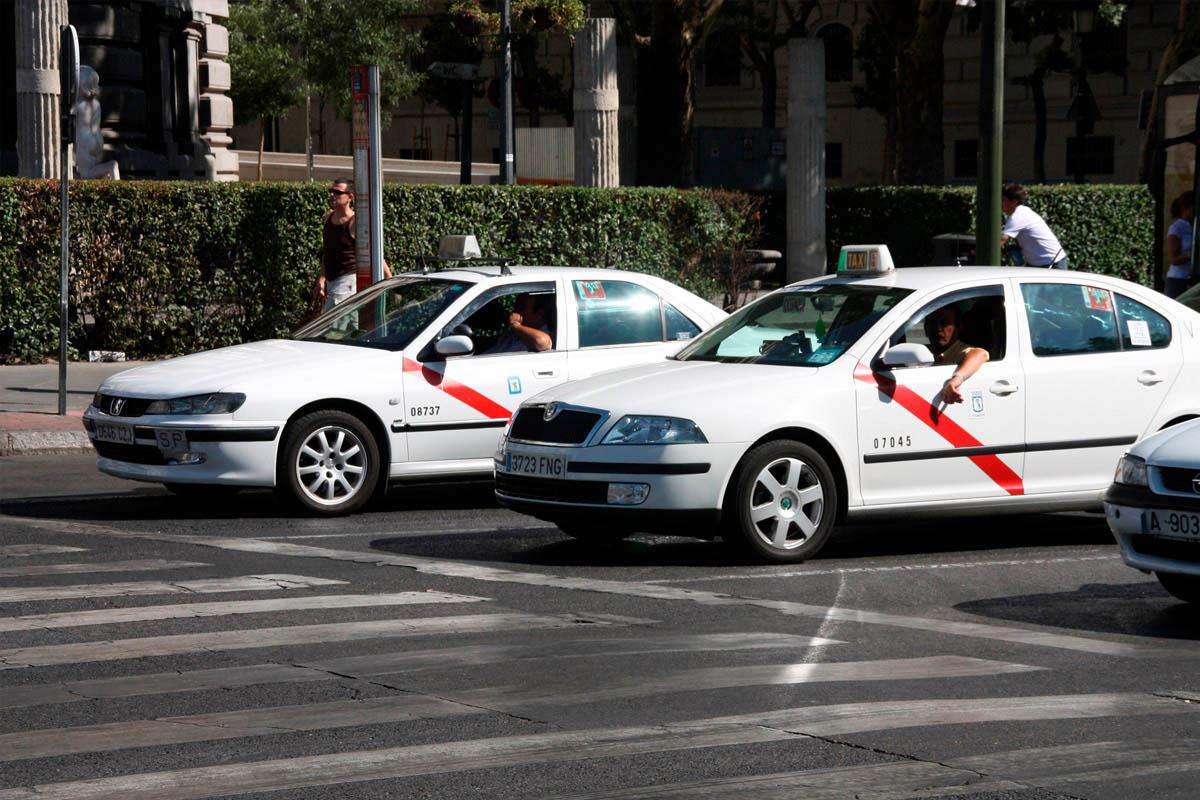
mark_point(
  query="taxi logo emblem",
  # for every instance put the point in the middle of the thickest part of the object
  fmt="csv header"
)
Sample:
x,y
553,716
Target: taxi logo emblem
x,y
1196,483
550,411
116,405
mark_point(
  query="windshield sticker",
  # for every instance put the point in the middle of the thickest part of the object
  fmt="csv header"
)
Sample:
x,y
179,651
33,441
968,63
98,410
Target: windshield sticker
x,y
683,336
976,403
793,304
824,355
514,385
1139,332
590,290
1097,299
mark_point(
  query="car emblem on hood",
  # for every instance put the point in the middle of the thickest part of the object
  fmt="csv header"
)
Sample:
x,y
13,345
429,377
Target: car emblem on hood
x,y
550,411
1196,483
116,405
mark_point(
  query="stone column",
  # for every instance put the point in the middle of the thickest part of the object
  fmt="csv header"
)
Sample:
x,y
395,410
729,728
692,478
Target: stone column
x,y
806,159
216,108
37,23
596,102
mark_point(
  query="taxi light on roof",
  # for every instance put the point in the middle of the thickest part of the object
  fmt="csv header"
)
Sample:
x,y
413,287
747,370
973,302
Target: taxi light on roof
x,y
865,259
455,248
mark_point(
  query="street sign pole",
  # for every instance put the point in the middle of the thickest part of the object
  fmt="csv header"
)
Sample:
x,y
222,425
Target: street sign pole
x,y
368,174
68,71
991,136
506,94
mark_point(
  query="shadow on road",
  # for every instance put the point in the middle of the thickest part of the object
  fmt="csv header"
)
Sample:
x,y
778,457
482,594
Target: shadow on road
x,y
1137,609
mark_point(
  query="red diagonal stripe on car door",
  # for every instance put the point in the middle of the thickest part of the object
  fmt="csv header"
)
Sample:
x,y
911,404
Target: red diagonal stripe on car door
x,y
945,427
460,392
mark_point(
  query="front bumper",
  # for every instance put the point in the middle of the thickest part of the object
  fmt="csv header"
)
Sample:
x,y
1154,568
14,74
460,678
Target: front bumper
x,y
1124,508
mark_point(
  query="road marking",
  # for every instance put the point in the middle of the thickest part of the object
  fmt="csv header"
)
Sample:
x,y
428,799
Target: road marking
x,y
225,725
143,565
568,746
695,680
246,583
800,573
353,667
113,616
479,572
23,550
177,644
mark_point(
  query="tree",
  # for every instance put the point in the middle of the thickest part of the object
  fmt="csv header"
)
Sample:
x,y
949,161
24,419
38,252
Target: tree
x,y
443,40
760,35
900,53
1184,46
263,83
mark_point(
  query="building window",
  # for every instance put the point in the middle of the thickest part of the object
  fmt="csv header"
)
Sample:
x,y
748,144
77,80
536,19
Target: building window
x,y
1090,155
723,58
833,160
966,158
839,53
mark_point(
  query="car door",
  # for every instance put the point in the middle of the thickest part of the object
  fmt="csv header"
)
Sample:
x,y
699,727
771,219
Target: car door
x,y
914,447
457,405
619,323
1098,366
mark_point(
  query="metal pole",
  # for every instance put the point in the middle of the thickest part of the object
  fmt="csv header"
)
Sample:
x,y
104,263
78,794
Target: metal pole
x,y
68,65
464,140
991,136
375,166
506,110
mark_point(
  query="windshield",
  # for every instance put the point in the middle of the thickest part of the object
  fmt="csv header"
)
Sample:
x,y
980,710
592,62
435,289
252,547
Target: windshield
x,y
388,317
807,326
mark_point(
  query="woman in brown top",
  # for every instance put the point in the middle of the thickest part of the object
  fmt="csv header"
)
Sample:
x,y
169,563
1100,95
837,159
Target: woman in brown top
x,y
337,279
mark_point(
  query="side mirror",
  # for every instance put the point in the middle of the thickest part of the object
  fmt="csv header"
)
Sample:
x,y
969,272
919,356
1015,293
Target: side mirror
x,y
462,329
457,345
907,354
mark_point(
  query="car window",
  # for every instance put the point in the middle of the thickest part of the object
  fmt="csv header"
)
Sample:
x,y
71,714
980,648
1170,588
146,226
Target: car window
x,y
679,327
388,316
617,312
1141,326
807,326
1070,319
486,319
979,316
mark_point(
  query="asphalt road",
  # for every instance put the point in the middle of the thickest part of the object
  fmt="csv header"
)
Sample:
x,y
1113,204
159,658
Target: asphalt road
x,y
438,646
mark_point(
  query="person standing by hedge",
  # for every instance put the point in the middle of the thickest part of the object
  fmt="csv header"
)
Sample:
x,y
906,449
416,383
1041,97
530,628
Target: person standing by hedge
x,y
1179,245
1039,246
337,279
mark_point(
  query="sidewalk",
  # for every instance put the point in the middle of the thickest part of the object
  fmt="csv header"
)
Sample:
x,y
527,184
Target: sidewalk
x,y
29,420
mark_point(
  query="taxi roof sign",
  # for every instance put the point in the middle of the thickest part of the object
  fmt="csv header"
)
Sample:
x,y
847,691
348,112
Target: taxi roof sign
x,y
458,248
865,259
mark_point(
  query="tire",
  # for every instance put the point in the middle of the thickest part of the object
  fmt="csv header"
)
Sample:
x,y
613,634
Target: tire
x,y
1182,587
329,463
202,491
592,534
782,503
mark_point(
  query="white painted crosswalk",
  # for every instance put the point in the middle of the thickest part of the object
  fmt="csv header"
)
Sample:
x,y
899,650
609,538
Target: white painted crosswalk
x,y
36,549
142,565
248,583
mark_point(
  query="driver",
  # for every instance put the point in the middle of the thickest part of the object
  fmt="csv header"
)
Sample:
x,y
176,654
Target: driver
x,y
944,327
527,329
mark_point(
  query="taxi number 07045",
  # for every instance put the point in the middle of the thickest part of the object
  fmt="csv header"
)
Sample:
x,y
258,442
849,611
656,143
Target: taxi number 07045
x,y
880,442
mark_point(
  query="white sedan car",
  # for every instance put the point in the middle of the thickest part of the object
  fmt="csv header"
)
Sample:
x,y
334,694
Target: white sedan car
x,y
1153,508
414,378
822,402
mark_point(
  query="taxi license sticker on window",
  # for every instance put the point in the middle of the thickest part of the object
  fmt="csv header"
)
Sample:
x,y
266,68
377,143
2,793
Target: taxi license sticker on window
x,y
823,356
590,290
683,336
976,403
793,304
1097,299
1139,332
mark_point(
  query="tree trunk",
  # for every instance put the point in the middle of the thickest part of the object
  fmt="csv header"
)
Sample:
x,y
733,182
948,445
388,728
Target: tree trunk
x,y
764,64
1183,47
262,135
920,76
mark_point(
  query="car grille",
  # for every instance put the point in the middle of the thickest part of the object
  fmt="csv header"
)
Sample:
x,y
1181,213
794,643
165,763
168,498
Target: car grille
x,y
1175,549
559,491
130,453
129,406
569,426
1178,480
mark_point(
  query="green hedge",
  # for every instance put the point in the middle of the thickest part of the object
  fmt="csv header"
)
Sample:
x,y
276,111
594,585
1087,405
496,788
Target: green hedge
x,y
1104,228
173,267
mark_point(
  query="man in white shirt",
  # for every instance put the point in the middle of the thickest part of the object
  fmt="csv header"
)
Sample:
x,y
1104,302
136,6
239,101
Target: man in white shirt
x,y
1039,246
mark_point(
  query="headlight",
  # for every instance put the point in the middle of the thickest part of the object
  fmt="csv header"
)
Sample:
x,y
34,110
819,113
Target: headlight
x,y
1131,470
654,430
218,403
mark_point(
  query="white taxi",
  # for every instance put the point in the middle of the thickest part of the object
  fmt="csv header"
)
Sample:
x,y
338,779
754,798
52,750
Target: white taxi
x,y
822,402
414,378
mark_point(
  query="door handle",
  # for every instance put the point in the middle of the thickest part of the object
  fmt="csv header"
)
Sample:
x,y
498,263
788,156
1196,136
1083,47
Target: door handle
x,y
544,373
1149,378
1002,388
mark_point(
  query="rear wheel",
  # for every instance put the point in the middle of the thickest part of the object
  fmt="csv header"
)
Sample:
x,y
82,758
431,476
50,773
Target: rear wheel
x,y
329,463
782,504
1183,587
595,534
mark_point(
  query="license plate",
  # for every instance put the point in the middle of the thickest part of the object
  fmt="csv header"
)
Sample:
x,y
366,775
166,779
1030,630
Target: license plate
x,y
1181,524
171,440
112,432
542,466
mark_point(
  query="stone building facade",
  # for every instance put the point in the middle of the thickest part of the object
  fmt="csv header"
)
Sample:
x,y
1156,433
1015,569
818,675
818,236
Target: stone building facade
x,y
163,81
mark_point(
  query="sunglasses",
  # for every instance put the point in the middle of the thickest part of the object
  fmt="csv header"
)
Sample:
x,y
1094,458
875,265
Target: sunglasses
x,y
337,192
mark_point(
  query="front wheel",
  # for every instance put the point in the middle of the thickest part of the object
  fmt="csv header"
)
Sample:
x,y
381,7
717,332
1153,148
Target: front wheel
x,y
329,463
1182,587
782,504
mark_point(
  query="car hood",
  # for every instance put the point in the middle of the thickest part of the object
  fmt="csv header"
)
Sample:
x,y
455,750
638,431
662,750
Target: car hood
x,y
1177,446
236,368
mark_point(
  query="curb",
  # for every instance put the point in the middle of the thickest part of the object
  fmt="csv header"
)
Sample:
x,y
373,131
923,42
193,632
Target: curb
x,y
30,443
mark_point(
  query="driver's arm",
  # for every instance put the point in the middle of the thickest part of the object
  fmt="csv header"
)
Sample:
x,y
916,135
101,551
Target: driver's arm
x,y
972,360
534,340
